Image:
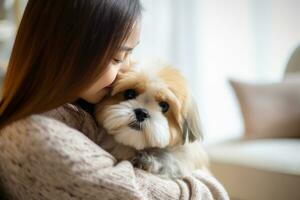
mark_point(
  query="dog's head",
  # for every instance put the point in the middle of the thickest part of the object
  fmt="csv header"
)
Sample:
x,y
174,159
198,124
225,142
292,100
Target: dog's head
x,y
150,108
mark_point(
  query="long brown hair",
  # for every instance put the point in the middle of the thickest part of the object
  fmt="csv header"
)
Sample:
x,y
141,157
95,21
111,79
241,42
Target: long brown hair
x,y
61,48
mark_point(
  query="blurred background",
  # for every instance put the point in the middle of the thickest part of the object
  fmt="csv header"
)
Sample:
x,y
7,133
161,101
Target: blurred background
x,y
212,42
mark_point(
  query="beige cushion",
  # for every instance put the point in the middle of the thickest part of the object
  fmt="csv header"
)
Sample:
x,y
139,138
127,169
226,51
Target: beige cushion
x,y
277,155
270,110
265,169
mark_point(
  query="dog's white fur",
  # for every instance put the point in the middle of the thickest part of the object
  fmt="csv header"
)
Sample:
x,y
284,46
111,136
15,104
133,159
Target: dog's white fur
x,y
167,143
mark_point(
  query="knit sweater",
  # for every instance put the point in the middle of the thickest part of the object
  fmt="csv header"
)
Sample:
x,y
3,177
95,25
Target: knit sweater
x,y
56,156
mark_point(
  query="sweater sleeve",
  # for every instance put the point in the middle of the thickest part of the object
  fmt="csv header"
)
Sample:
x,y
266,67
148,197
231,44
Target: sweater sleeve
x,y
42,158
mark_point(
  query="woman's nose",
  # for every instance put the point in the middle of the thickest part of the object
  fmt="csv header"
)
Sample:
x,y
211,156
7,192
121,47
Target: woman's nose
x,y
126,64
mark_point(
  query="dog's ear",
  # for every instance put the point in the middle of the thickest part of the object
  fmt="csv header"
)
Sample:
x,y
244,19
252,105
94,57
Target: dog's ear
x,y
191,123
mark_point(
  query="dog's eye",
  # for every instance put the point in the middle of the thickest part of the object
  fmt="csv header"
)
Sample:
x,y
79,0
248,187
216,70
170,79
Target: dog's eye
x,y
130,94
164,106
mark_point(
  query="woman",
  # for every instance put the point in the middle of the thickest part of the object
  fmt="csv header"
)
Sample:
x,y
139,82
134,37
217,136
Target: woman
x,y
65,56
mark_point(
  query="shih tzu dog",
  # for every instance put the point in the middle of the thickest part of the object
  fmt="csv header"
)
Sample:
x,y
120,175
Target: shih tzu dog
x,y
151,120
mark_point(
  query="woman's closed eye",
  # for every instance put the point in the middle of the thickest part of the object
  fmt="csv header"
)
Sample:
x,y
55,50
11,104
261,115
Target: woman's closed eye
x,y
118,61
122,57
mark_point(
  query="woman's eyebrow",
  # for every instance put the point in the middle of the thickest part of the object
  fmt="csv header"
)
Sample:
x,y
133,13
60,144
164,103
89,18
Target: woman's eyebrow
x,y
126,48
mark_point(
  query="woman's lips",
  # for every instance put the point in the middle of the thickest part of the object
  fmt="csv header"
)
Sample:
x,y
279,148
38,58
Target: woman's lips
x,y
109,86
108,89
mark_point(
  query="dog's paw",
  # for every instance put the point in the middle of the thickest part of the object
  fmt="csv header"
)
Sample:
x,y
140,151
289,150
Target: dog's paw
x,y
143,160
160,163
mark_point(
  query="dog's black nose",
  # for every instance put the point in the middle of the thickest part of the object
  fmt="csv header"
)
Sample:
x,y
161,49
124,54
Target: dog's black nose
x,y
141,114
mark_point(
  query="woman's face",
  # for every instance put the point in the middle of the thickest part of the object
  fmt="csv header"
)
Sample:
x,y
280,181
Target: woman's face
x,y
120,61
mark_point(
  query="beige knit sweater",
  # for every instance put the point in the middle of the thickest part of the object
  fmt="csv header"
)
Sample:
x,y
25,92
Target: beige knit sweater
x,y
55,156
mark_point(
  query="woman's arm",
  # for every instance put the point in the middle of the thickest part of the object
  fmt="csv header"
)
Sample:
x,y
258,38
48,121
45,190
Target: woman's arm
x,y
42,158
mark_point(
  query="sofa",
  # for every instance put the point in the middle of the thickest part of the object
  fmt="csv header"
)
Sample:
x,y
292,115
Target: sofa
x,y
264,164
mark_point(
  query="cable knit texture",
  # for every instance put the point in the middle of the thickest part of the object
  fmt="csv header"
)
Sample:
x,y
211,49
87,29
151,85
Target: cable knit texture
x,y
55,156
